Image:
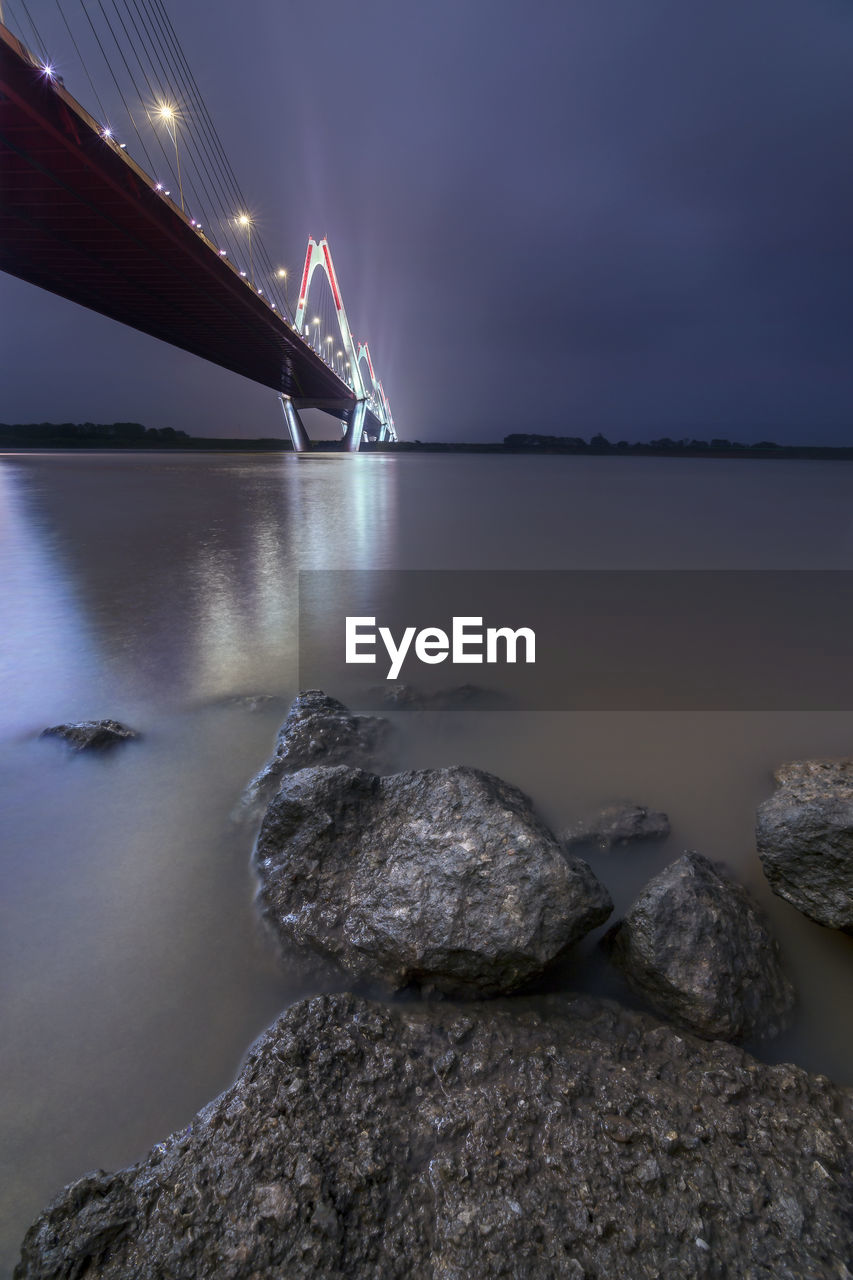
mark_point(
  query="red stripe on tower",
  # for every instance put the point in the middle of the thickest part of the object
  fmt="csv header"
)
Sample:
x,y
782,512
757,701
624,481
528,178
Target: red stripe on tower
x,y
332,280
305,274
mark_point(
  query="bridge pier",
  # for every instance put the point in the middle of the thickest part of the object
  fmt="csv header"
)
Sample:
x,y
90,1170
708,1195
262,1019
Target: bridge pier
x,y
298,434
355,427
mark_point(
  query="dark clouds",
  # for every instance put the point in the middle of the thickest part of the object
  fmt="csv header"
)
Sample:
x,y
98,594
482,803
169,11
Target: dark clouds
x,y
608,215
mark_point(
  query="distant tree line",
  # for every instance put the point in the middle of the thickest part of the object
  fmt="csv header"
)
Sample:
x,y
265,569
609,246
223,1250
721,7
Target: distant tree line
x,y
122,435
71,433
718,446
133,435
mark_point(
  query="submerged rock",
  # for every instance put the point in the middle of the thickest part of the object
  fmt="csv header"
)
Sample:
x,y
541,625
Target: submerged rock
x,y
444,878
547,1138
252,702
91,735
617,824
461,697
695,946
804,835
319,730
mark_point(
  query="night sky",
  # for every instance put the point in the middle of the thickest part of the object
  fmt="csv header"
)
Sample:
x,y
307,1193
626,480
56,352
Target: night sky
x,y
574,216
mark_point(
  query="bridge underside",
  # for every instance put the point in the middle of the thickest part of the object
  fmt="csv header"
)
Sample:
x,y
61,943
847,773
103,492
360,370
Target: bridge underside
x,y
79,218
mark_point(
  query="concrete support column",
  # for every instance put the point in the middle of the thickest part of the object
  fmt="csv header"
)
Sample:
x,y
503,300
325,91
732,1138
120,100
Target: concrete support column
x,y
298,434
355,429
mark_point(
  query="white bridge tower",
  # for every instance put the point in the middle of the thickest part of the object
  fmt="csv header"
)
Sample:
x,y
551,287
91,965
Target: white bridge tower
x,y
359,375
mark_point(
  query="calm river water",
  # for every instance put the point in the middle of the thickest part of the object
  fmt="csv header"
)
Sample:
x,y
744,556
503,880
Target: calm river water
x,y
150,587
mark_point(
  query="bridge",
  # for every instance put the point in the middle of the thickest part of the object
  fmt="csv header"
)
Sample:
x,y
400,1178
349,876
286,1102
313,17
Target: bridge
x,y
80,217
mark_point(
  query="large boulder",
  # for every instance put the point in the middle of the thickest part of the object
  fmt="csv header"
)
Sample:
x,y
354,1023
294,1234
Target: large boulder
x,y
556,1138
696,947
444,878
804,835
319,730
91,735
618,824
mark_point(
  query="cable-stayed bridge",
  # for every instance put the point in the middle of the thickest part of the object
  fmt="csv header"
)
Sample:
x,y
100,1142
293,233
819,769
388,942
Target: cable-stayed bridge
x,y
168,247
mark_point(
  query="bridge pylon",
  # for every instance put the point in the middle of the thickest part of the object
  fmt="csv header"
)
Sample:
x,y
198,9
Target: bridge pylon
x,y
298,434
370,398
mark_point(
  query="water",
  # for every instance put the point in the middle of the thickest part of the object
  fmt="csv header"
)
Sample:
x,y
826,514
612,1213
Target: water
x,y
152,587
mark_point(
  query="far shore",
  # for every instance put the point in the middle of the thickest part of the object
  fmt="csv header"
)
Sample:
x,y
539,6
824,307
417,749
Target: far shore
x,y
49,437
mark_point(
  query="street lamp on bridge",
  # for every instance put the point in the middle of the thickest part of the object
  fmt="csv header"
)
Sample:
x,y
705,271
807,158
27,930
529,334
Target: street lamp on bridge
x,y
244,221
282,275
169,116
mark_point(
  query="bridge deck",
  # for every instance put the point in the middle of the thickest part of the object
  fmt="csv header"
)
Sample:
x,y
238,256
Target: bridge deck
x,y
80,218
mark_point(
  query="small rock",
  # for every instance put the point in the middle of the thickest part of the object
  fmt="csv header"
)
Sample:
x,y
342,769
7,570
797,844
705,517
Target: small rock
x,y
804,835
616,825
695,946
91,735
319,730
445,878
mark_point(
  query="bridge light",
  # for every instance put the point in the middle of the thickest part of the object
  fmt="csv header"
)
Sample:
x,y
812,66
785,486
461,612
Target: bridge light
x,y
48,70
106,132
123,146
167,113
158,186
223,253
244,220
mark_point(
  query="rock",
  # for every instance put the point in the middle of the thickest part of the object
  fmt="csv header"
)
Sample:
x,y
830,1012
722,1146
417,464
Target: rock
x,y
615,825
541,1139
804,835
445,878
319,730
695,946
91,735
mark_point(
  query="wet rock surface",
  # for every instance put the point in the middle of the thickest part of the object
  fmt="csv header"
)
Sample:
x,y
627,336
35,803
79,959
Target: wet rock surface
x,y
804,835
319,730
555,1138
443,878
617,824
696,947
91,735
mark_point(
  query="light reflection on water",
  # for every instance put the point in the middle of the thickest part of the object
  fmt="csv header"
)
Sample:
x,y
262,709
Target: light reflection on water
x,y
149,587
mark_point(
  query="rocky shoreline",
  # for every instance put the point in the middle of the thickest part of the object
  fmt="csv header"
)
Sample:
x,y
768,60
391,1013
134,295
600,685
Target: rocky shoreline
x,y
457,1129
559,1138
